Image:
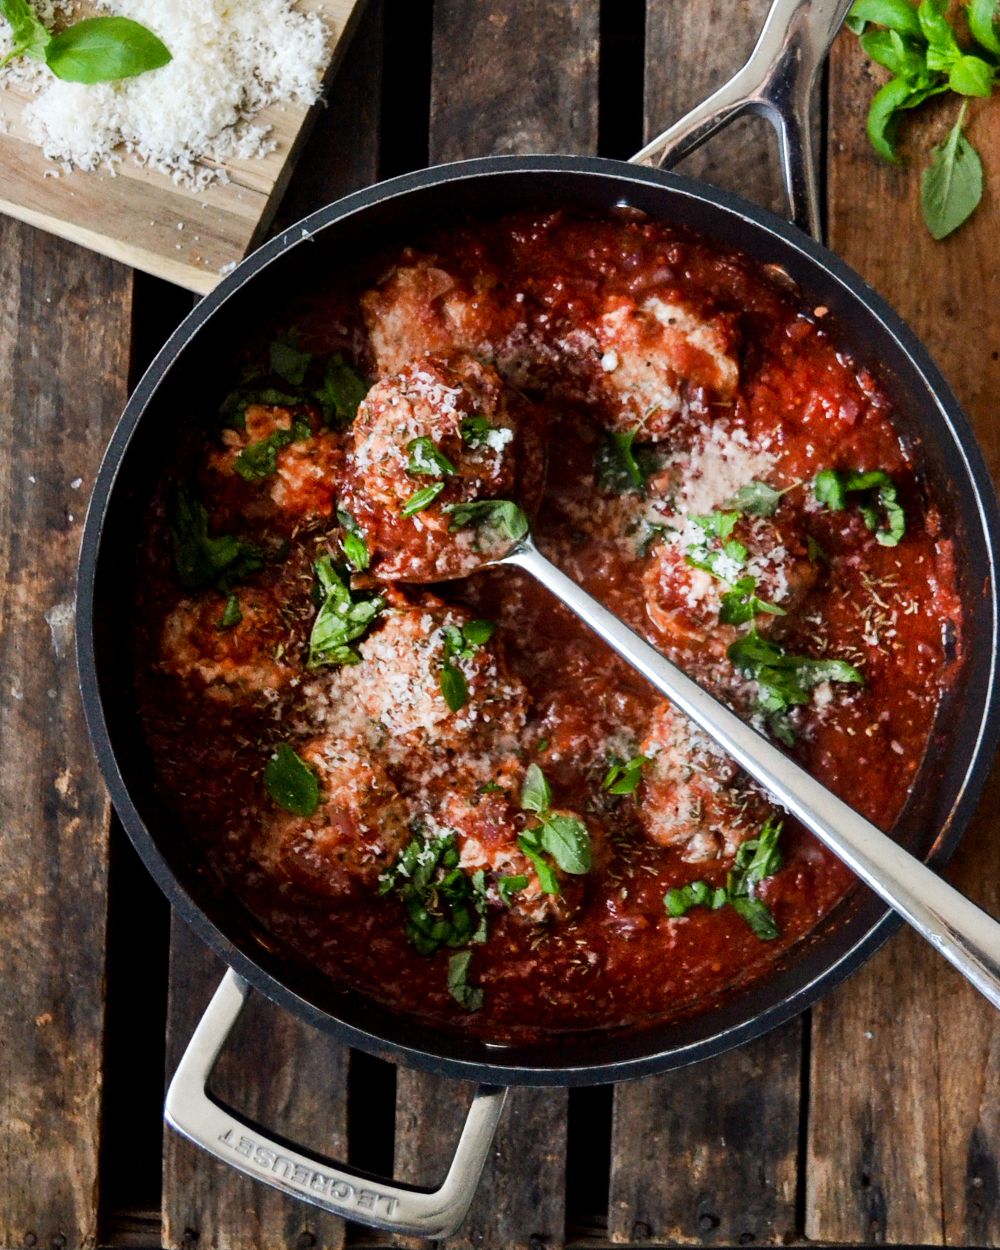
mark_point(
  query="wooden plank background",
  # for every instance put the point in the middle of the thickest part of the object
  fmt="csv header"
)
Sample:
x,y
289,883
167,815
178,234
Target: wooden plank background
x,y
873,1119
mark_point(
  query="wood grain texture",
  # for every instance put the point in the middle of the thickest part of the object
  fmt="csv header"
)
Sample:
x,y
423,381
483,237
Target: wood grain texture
x,y
134,216
691,50
513,76
64,328
709,1154
280,1073
904,1135
296,1083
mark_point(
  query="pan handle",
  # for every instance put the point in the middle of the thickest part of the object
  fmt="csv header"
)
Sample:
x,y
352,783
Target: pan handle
x,y
192,1111
777,82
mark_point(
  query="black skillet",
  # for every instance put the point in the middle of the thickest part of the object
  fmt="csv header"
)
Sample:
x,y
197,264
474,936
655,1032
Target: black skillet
x,y
777,81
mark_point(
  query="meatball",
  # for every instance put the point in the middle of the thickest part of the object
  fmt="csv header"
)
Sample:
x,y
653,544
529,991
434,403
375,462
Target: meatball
x,y
686,602
398,689
693,795
647,364
421,309
232,645
355,833
285,466
449,427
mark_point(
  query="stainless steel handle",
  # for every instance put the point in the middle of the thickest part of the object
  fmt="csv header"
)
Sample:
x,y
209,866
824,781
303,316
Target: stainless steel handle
x,y
777,82
192,1111
964,934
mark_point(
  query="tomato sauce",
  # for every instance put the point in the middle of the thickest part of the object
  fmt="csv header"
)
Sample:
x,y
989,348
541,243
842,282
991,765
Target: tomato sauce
x,y
583,320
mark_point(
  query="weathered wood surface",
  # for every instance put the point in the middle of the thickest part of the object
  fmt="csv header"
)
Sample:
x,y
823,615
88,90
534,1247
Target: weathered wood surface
x,y
513,76
709,1154
64,330
283,1073
904,1133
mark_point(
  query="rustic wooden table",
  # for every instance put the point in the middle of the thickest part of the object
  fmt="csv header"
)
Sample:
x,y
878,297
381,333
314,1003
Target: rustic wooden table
x,y
874,1118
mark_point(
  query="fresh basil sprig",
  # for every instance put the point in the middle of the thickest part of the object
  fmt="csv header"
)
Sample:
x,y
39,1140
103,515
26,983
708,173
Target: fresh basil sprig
x,y
444,905
558,835
461,644
96,49
343,617
920,49
259,460
201,559
468,996
877,499
291,783
353,542
623,776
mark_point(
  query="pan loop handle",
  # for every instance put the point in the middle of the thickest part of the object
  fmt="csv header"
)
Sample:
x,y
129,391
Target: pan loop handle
x,y
777,82
192,1111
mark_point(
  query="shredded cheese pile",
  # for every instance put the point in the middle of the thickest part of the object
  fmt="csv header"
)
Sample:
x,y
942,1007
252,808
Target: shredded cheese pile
x,y
231,58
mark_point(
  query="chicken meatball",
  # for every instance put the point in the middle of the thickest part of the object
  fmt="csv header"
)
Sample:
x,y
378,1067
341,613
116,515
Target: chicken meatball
x,y
702,583
284,467
692,795
355,833
441,432
231,644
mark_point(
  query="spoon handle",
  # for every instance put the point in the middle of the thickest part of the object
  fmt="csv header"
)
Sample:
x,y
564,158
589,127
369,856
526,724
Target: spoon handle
x,y
963,933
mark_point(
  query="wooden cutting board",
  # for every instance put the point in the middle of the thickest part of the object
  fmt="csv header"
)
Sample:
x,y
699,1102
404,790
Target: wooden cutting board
x,y
139,216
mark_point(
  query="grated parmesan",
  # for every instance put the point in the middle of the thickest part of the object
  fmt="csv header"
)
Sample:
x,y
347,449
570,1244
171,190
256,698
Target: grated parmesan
x,y
230,61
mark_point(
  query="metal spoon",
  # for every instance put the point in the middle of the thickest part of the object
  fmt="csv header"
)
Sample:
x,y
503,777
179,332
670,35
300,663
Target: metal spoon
x,y
962,932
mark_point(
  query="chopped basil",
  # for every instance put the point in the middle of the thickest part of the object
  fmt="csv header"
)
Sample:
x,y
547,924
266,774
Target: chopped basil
x,y
619,467
341,391
454,687
756,860
289,363
814,551
427,459
291,783
233,408
784,681
201,560
717,524
531,846
260,460
475,431
353,543
507,887
756,499
422,499
461,644
468,996
498,515
623,776
343,617
444,906
232,613
742,604
878,499
536,795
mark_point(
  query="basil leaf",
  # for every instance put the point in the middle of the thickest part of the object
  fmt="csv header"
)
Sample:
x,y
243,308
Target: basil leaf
x,y
499,515
618,468
898,15
454,687
784,681
104,49
952,185
567,840
623,776
878,495
478,633
982,16
260,460
894,95
758,916
422,499
757,858
289,363
815,552
427,459
531,847
201,560
341,391
29,36
723,564
942,47
896,54
353,543
467,996
971,75
717,524
756,499
475,431
291,783
742,604
507,887
232,613
342,618
536,794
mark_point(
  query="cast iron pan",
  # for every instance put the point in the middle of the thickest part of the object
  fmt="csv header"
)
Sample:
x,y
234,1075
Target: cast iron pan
x,y
943,797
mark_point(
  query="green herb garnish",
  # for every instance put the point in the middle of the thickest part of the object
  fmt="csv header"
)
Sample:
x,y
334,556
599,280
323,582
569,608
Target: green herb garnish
x,y
507,887
468,996
444,905
201,560
291,782
352,541
461,644
619,467
623,776
501,516
741,603
427,459
564,838
96,49
343,617
232,613
260,460
877,499
952,185
341,391
289,363
475,431
422,499
756,499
